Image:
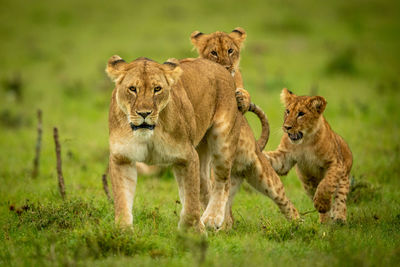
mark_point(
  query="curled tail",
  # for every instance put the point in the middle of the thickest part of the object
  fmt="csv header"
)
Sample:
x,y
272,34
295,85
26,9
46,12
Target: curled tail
x,y
263,140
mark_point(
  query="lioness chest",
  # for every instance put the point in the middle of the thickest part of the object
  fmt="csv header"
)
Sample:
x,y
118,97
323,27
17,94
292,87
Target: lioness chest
x,y
152,150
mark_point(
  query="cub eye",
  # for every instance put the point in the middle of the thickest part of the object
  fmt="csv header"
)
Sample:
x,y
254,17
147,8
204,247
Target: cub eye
x,y
132,89
301,113
214,53
287,111
230,51
157,89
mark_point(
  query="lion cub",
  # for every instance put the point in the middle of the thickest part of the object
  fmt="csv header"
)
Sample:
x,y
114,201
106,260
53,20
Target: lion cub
x,y
323,159
224,49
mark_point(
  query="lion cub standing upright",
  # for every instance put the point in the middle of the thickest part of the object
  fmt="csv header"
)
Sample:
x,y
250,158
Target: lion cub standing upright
x,y
323,159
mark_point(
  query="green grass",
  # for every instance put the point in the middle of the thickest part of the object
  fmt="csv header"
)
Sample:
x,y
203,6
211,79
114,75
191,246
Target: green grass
x,y
53,57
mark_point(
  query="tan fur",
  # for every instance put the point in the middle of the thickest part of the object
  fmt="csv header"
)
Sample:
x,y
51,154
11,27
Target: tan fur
x,y
195,87
224,49
196,123
323,159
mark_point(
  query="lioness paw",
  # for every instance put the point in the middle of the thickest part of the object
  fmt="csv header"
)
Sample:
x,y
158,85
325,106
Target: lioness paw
x,y
214,222
191,224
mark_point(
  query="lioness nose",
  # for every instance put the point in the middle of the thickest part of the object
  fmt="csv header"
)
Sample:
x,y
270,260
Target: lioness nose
x,y
144,114
288,127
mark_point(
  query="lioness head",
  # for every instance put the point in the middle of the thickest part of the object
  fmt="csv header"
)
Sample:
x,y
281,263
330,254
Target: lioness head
x,y
302,114
220,47
142,90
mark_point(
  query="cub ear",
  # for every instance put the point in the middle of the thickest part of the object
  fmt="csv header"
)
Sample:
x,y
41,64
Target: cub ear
x,y
115,67
238,34
317,103
172,71
287,96
195,37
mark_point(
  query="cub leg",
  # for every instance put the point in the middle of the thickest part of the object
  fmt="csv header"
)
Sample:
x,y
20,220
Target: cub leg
x,y
326,188
188,178
339,205
310,184
263,178
281,160
123,180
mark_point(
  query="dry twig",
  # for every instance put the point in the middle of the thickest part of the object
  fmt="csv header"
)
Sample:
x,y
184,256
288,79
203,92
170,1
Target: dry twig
x,y
36,161
61,185
307,212
105,187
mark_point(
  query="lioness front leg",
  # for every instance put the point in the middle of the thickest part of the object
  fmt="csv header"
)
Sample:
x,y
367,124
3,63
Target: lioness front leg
x,y
214,214
188,177
222,141
123,180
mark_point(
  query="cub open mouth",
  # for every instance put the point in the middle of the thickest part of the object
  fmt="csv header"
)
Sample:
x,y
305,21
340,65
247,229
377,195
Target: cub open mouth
x,y
141,126
296,136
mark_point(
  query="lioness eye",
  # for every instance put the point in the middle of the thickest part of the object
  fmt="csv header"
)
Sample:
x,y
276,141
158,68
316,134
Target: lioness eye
x,y
230,51
287,111
214,53
301,113
132,89
157,89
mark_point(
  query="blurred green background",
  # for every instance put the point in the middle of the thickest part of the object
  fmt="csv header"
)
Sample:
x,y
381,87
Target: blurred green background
x,y
52,57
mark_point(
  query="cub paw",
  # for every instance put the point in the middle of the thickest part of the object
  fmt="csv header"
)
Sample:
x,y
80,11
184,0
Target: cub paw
x,y
324,217
339,221
214,222
243,100
322,202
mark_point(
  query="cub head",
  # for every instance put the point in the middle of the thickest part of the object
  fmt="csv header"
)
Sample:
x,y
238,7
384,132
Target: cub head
x,y
302,115
223,48
142,90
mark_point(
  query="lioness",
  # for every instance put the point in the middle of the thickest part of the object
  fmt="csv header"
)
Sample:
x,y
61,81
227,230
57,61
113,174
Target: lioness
x,y
224,49
323,159
184,114
159,114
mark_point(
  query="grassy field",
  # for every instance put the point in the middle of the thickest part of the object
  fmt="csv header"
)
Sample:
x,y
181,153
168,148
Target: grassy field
x,y
53,56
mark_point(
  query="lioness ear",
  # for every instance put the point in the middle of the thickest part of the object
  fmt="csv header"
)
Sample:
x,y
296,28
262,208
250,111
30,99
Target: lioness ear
x,y
318,103
115,67
195,37
286,96
238,34
172,72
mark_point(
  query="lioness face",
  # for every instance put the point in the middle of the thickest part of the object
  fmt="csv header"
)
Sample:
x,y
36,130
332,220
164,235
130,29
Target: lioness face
x,y
302,115
220,47
142,90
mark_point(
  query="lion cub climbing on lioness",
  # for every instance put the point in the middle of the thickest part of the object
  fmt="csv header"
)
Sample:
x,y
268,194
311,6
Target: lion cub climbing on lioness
x,y
323,159
224,49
